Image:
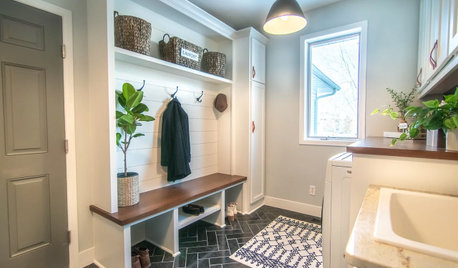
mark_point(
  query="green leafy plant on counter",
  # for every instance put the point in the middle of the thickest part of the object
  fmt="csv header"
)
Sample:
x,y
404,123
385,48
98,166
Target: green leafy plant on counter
x,y
129,117
401,100
433,115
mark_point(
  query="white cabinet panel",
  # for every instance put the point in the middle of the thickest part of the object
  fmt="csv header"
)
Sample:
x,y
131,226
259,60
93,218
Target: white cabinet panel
x,y
423,44
257,169
453,26
258,61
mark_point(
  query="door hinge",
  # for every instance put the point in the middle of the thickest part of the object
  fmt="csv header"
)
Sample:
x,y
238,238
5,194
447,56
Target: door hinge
x,y
64,51
66,146
69,236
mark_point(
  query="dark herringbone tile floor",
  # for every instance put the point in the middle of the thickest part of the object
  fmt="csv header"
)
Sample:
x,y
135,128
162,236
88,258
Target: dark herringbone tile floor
x,y
205,245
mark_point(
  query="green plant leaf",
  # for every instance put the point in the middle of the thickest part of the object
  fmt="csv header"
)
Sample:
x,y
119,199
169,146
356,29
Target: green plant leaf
x,y
127,119
128,90
138,135
140,108
119,114
456,92
431,104
403,136
146,118
131,129
393,142
375,111
394,115
449,124
134,100
118,138
413,132
455,120
387,111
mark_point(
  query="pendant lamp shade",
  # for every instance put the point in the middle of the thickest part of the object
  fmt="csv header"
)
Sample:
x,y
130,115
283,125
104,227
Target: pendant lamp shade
x,y
284,17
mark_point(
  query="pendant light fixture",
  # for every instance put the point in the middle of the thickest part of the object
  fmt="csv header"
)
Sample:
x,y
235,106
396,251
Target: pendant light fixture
x,y
285,17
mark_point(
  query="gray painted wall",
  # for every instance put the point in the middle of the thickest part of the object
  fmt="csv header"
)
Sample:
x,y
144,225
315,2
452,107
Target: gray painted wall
x,y
391,62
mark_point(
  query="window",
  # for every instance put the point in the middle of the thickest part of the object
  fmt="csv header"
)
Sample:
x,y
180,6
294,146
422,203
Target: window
x,y
333,85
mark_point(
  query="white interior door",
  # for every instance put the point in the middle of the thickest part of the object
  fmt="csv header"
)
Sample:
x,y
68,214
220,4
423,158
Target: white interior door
x,y
257,141
258,61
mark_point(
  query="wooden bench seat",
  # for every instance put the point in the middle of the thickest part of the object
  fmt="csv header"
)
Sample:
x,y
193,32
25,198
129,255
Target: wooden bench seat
x,y
162,199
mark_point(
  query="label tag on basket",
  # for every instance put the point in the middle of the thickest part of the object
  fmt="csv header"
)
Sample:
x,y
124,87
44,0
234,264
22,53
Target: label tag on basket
x,y
189,54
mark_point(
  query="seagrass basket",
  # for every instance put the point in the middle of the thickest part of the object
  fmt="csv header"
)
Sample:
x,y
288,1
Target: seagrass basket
x,y
128,189
214,63
179,51
132,33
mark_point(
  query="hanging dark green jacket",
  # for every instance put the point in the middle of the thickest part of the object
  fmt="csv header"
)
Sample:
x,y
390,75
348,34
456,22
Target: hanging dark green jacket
x,y
175,144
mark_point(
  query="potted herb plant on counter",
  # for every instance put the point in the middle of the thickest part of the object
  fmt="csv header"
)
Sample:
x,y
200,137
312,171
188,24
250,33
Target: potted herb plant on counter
x,y
401,101
435,115
127,120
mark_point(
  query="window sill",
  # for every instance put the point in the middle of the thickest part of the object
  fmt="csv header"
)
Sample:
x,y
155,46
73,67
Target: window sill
x,y
330,142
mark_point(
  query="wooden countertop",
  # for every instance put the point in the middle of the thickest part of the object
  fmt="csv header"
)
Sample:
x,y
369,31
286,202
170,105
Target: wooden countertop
x,y
408,148
162,199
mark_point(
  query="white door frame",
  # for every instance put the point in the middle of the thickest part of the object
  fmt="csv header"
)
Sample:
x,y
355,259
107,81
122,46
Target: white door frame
x,y
69,110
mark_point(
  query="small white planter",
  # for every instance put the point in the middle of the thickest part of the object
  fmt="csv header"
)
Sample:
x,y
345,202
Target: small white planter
x,y
128,189
452,140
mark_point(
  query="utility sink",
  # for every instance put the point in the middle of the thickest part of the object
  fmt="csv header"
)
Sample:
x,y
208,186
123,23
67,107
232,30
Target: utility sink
x,y
427,223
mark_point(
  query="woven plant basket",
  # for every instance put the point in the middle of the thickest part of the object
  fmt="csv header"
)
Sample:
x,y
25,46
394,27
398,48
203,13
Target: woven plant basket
x,y
214,63
181,52
132,33
128,189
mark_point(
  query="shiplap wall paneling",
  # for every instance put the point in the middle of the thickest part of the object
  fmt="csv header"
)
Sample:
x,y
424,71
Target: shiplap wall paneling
x,y
204,123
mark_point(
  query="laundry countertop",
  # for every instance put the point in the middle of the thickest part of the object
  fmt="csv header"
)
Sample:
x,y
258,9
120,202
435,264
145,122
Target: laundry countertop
x,y
363,251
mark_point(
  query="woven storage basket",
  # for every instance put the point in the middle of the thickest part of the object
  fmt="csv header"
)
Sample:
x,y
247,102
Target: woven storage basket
x,y
132,33
128,189
181,52
214,63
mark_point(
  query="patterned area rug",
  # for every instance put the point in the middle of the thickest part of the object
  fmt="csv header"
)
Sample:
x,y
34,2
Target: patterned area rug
x,y
285,242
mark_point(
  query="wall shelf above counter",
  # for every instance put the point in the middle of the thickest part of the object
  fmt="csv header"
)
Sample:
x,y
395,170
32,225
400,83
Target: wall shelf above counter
x,y
410,148
161,65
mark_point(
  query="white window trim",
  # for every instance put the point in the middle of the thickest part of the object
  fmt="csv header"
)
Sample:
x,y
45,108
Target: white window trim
x,y
359,27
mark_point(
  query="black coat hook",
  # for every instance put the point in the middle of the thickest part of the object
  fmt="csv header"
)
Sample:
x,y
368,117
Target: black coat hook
x,y
199,99
144,82
175,93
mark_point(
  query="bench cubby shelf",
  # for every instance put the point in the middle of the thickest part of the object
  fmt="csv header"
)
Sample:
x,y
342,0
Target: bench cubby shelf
x,y
158,216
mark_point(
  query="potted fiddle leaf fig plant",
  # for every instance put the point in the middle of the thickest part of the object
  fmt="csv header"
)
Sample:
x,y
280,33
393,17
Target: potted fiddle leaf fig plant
x,y
128,118
435,115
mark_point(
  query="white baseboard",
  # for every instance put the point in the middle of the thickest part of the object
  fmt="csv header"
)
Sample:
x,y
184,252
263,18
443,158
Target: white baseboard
x,y
254,209
293,206
86,257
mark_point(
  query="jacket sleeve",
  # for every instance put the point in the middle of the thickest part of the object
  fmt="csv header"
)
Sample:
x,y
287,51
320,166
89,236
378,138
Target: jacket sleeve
x,y
165,138
187,142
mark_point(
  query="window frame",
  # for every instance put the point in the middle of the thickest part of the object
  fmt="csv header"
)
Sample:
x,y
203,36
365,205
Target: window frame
x,y
305,40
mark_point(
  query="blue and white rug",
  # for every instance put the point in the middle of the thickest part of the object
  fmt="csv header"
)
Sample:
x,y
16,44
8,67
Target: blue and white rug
x,y
285,242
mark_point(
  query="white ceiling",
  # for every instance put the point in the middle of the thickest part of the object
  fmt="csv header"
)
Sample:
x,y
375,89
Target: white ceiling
x,y
243,13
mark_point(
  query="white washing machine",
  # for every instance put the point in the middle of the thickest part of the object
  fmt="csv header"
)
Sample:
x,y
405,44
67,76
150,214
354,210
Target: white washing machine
x,y
336,210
